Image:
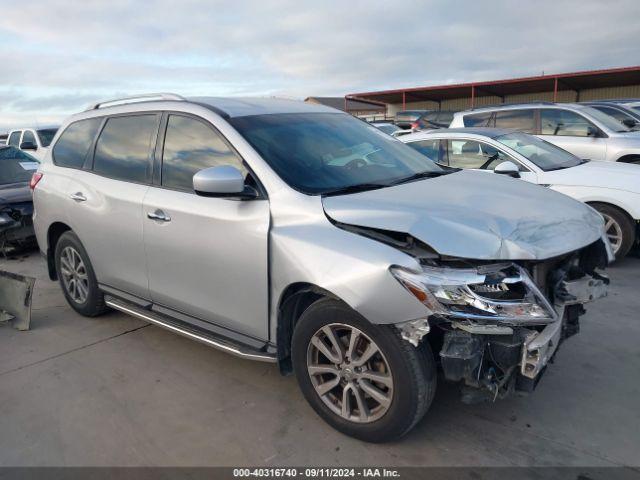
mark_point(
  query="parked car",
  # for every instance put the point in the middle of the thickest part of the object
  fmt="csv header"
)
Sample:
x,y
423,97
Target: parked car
x,y
3,138
405,118
633,103
611,188
387,127
294,233
579,129
432,120
36,141
627,116
16,205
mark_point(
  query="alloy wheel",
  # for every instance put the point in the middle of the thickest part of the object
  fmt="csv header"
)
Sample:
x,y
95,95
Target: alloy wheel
x,y
74,275
614,232
349,373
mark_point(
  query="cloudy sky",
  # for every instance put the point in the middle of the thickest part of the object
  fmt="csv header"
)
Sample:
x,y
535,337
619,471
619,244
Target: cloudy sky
x,y
58,56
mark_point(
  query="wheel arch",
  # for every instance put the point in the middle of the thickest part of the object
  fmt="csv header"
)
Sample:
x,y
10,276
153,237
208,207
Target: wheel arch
x,y
630,158
55,231
294,300
633,222
592,203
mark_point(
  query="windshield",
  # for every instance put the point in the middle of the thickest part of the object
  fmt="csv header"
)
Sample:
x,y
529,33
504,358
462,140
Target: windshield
x,y
16,166
318,153
544,154
46,135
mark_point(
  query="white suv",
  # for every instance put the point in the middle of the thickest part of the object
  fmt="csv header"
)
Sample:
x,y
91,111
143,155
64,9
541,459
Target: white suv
x,y
579,129
35,141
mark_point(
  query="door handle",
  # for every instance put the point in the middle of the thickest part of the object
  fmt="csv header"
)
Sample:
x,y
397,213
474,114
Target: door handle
x,y
159,215
78,197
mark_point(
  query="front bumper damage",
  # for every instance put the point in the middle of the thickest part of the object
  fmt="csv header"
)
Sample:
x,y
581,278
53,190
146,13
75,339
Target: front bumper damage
x,y
492,359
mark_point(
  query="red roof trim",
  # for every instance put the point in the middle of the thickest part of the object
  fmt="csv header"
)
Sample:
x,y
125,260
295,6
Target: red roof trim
x,y
363,95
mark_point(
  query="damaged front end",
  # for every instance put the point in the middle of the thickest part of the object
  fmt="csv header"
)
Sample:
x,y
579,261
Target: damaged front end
x,y
496,326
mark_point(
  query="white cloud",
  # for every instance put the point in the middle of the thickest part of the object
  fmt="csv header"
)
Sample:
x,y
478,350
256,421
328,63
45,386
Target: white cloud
x,y
59,55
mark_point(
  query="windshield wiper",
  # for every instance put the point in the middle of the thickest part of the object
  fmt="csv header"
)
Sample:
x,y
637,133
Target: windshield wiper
x,y
421,175
361,187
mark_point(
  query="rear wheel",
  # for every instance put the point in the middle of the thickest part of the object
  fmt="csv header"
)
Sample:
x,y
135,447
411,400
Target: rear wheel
x,y
76,276
362,379
619,227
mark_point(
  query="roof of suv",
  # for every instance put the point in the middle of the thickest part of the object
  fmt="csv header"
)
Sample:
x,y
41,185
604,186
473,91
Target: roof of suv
x,y
225,107
244,106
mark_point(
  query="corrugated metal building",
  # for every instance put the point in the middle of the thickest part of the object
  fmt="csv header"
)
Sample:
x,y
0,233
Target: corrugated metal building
x,y
564,87
369,110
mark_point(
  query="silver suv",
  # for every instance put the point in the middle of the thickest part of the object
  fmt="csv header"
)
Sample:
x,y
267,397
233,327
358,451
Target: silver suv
x,y
580,129
287,232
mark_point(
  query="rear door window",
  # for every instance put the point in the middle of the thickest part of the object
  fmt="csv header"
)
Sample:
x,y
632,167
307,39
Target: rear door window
x,y
73,145
14,139
124,148
521,120
429,148
46,135
190,145
478,119
555,121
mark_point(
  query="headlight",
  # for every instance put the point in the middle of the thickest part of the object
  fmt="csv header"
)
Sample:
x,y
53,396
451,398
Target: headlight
x,y
501,292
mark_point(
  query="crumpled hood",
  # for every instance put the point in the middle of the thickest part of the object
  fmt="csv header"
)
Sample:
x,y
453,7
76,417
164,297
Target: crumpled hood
x,y
475,215
613,175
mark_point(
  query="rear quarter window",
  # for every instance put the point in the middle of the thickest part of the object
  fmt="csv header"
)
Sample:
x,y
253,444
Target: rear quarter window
x,y
73,145
521,120
478,119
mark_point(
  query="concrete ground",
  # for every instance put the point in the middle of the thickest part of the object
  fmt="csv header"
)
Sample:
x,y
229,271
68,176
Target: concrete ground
x,y
116,391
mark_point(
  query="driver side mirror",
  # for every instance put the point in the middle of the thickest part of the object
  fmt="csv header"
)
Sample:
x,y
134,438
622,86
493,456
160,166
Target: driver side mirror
x,y
507,168
224,181
629,122
28,146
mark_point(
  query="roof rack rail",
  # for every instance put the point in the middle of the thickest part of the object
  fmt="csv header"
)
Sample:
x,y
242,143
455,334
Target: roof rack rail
x,y
514,104
149,97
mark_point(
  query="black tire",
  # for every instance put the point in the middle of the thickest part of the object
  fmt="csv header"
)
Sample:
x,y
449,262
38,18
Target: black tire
x,y
94,304
627,226
413,370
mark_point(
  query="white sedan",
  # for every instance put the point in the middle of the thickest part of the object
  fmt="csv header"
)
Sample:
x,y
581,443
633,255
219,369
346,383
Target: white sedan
x,y
611,188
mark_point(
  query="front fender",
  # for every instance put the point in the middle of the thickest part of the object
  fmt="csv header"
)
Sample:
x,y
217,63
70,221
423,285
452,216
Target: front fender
x,y
353,268
627,201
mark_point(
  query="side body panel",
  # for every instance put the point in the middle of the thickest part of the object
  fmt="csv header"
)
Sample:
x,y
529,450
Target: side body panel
x,y
210,260
109,224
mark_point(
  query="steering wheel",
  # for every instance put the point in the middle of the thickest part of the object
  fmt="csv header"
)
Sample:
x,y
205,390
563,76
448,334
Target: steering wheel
x,y
355,163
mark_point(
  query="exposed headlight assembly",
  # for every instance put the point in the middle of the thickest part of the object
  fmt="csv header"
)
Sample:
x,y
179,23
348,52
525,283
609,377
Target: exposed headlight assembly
x,y
500,292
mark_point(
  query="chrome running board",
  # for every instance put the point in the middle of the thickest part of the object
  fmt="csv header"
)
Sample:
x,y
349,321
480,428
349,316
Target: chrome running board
x,y
197,335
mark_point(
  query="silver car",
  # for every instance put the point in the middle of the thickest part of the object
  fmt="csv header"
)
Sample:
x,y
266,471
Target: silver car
x,y
580,129
293,233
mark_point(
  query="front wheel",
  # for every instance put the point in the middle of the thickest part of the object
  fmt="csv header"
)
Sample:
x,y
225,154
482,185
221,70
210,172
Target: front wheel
x,y
362,379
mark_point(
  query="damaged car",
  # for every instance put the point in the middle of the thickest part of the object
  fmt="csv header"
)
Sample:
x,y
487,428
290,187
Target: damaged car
x,y
16,205
292,233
